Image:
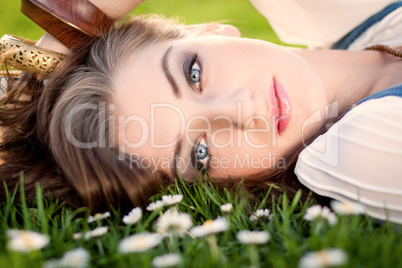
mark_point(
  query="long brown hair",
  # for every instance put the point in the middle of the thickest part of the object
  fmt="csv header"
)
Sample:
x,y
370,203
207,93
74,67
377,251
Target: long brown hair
x,y
33,117
43,119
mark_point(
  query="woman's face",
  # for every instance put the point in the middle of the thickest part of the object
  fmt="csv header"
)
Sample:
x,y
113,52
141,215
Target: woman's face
x,y
232,106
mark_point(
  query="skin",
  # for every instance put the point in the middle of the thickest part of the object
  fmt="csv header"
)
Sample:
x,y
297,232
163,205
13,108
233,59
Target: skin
x,y
311,79
230,130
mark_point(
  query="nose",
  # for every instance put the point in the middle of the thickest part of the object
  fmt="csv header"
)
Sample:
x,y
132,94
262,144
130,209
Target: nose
x,y
235,106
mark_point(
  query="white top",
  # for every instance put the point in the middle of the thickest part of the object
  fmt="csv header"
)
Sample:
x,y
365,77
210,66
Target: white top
x,y
360,157
316,23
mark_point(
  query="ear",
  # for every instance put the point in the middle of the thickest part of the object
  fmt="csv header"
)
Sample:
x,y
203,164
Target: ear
x,y
226,30
212,29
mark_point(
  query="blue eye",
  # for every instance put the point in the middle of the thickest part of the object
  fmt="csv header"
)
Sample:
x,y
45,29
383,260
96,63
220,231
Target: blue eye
x,y
195,73
202,151
201,155
192,70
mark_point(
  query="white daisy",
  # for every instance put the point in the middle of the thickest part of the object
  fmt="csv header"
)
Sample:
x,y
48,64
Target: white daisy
x,y
52,263
133,216
95,233
139,242
98,216
26,241
227,207
156,205
167,260
317,212
347,208
253,237
173,222
77,236
261,215
210,227
323,258
76,258
171,200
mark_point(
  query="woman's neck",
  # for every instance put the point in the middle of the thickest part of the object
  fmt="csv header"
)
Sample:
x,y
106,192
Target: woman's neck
x,y
352,75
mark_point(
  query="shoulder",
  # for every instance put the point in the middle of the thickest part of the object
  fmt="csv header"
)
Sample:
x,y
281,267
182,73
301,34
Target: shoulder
x,y
370,127
359,158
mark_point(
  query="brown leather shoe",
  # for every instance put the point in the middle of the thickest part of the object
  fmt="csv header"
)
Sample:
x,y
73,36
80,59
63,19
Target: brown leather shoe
x,y
69,21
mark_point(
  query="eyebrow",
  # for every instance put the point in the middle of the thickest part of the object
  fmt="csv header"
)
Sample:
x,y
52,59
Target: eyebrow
x,y
165,58
177,153
177,93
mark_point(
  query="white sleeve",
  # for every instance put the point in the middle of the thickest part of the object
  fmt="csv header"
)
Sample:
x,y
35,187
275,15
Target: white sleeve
x,y
316,23
360,159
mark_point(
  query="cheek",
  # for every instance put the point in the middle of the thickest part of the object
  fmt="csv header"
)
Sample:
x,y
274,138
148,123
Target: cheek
x,y
243,162
131,131
243,153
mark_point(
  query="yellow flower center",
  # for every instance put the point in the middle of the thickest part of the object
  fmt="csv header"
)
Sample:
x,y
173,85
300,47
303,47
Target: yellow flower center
x,y
141,243
207,222
27,240
348,207
322,256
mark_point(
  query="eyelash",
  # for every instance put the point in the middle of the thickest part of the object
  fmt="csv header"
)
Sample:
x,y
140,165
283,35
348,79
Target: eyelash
x,y
189,67
195,159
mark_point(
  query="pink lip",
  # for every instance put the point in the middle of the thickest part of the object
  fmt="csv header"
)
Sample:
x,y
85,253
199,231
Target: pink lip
x,y
281,102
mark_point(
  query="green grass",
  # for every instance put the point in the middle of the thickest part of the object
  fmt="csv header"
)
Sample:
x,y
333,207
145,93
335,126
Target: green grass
x,y
239,13
367,244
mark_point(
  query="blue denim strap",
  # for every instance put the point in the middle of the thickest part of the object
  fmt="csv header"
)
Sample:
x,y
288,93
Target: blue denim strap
x,y
348,39
392,91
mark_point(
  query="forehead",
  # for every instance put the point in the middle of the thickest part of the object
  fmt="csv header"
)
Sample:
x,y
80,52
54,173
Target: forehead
x,y
147,116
